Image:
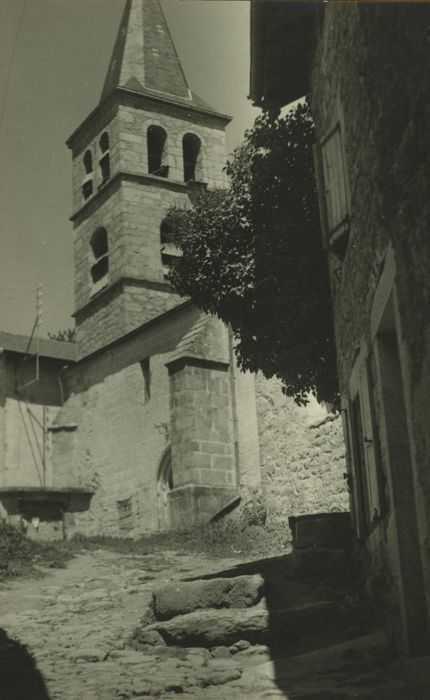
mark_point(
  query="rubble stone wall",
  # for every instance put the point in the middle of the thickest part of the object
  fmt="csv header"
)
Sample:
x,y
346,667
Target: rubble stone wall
x,y
371,73
302,456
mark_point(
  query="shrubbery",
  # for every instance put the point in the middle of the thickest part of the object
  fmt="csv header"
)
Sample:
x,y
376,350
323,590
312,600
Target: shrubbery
x,y
253,256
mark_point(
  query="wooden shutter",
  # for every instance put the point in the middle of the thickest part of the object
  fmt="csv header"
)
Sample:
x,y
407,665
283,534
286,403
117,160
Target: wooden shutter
x,y
365,453
321,190
370,453
359,469
351,475
334,184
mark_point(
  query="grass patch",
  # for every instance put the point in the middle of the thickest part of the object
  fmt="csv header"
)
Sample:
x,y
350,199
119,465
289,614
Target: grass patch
x,y
221,539
21,556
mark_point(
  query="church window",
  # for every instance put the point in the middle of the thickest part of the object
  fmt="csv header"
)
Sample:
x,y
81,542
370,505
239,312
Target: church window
x,y
146,374
156,142
104,160
169,250
125,514
100,251
87,183
191,149
333,191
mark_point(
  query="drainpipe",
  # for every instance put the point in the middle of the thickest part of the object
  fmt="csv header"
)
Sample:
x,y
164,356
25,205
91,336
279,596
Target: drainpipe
x,y
234,408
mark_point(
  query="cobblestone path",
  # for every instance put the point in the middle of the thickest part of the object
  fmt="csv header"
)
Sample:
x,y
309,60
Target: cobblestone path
x,y
75,623
64,637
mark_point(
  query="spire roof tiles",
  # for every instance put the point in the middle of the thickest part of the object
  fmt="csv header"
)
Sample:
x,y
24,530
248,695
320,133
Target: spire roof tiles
x,y
144,57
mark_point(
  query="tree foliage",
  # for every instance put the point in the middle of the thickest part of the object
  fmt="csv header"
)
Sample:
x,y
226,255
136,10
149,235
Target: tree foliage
x,y
253,255
68,335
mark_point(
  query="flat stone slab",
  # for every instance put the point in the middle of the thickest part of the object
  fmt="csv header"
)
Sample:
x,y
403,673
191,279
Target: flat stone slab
x,y
209,628
184,597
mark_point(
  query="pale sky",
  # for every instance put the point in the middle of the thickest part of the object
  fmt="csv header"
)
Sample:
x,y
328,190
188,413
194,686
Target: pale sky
x,y
53,58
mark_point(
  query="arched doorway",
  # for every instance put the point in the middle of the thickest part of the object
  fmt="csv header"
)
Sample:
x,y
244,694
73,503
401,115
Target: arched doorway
x,y
164,486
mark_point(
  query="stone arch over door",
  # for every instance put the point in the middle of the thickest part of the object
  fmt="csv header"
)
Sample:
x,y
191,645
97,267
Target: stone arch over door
x,y
164,486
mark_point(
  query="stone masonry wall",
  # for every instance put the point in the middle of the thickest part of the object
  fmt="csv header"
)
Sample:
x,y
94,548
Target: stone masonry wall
x,y
203,450
131,210
247,432
127,124
144,206
88,138
202,426
371,70
135,119
131,216
120,439
386,142
120,435
127,307
302,456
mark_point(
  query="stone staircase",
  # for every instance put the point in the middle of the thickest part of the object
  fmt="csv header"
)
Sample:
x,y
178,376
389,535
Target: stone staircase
x,y
298,621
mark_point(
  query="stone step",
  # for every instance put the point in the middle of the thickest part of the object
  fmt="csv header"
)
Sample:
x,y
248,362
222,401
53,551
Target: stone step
x,y
357,668
210,628
184,597
362,654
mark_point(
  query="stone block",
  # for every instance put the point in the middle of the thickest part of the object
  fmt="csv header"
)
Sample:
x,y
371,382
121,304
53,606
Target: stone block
x,y
330,530
208,628
184,597
223,463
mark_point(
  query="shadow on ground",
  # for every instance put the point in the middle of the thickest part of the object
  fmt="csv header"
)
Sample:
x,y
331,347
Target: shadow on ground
x,y
19,677
316,614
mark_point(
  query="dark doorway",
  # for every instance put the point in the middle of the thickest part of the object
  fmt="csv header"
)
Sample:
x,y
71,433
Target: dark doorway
x,y
411,583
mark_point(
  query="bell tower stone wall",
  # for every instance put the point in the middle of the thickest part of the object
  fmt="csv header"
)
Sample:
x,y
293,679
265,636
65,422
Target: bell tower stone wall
x,y
150,144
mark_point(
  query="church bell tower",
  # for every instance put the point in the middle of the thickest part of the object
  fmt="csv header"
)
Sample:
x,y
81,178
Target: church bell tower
x,y
145,147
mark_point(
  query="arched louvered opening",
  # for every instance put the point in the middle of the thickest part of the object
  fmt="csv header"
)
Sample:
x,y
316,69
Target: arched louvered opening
x,y
87,183
156,141
191,149
168,248
100,250
104,160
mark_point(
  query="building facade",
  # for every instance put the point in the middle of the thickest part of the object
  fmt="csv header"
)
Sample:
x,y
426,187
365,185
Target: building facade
x,y
155,427
365,67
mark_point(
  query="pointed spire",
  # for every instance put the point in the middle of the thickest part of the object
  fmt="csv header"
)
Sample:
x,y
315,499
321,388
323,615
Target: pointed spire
x,y
144,58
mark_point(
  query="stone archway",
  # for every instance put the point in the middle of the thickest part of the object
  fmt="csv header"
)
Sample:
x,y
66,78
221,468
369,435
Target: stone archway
x,y
164,486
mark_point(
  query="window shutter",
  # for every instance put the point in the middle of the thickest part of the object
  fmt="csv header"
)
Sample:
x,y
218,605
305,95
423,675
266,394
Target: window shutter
x,y
359,477
332,190
321,193
368,501
351,477
371,462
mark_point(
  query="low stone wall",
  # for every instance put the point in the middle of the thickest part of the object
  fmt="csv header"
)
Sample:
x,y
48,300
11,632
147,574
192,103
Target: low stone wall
x,y
302,456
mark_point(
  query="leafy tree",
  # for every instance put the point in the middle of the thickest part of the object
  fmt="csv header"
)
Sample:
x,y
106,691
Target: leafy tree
x,y
253,255
68,335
